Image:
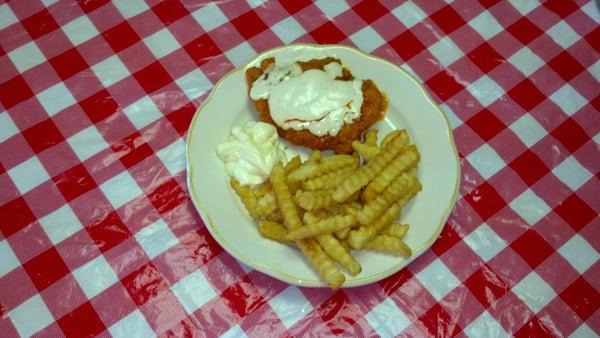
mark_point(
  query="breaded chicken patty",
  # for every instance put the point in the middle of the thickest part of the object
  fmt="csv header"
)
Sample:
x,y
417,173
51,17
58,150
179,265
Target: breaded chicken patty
x,y
372,109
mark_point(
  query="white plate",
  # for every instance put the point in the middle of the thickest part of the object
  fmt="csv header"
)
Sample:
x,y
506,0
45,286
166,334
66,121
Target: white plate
x,y
409,107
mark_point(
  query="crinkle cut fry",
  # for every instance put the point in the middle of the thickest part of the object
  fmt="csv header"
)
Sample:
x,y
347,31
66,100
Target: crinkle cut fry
x,y
327,181
364,174
314,200
273,230
326,165
406,160
325,226
400,186
284,198
396,230
247,197
389,244
321,262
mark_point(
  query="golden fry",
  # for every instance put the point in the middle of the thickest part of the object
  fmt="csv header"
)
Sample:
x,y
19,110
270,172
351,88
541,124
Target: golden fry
x,y
292,165
329,180
273,230
284,198
325,226
337,251
314,200
389,244
371,137
247,196
402,162
396,230
327,164
373,209
364,174
365,150
315,156
323,264
389,137
266,204
342,234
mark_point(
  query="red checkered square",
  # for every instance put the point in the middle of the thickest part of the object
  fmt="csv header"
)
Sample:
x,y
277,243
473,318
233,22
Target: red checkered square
x,y
524,30
242,297
99,106
54,296
582,298
43,136
46,268
438,315
485,200
294,6
485,57
249,24
144,284
159,319
575,212
40,24
68,63
532,247
562,8
486,124
448,238
570,134
121,36
593,38
529,167
407,45
338,313
448,19
566,66
153,77
534,328
444,85
327,33
83,321
15,214
91,5
486,286
132,150
526,94
170,11
29,242
370,10
14,91
108,231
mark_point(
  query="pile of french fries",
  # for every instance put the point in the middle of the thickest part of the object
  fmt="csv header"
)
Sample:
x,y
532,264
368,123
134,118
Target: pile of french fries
x,y
330,205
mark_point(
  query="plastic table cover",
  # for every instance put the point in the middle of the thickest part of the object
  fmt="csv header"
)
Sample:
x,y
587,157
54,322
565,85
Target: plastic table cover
x,y
98,235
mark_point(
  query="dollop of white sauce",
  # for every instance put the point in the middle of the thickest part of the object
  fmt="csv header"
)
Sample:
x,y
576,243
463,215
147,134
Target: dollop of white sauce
x,y
313,100
251,152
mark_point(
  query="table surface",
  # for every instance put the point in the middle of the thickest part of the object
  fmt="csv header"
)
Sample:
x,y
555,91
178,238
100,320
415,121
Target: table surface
x,y
98,235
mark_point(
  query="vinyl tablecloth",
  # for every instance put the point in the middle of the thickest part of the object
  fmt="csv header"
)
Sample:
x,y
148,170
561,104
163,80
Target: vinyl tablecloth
x,y
98,235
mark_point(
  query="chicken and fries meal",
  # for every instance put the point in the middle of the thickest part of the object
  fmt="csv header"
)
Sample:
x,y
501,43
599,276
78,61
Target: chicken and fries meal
x,y
329,204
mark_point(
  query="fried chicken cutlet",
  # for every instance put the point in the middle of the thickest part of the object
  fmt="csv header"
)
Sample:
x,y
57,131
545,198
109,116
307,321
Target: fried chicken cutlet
x,y
374,104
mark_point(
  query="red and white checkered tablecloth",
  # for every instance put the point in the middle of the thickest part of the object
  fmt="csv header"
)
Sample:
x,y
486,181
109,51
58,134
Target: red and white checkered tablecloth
x,y
97,232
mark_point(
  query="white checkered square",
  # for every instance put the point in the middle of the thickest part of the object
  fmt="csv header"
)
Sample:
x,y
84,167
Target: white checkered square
x,y
563,34
485,90
209,17
534,292
193,291
28,175
528,130
47,3
95,276
173,156
161,43
591,9
56,98
288,29
234,332
80,30
367,39
290,305
568,99
332,8
255,3
120,189
9,260
597,138
438,279
409,14
579,253
134,325
194,84
26,56
87,143
595,70
525,6
572,173
484,242
486,161
446,51
530,207
60,224
526,61
131,8
31,316
142,112
7,17
240,54
485,326
584,331
454,120
486,25
387,319
8,128
110,71
156,238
